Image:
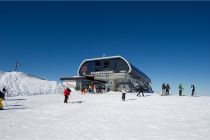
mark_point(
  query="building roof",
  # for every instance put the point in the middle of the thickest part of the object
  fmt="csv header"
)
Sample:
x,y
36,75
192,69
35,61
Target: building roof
x,y
132,69
104,58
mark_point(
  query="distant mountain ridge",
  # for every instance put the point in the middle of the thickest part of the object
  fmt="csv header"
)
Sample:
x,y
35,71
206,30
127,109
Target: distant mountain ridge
x,y
21,84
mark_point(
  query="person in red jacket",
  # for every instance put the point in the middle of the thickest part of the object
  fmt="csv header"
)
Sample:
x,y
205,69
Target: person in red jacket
x,y
66,93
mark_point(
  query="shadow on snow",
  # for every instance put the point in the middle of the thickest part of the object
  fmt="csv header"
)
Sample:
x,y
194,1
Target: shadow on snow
x,y
15,99
76,102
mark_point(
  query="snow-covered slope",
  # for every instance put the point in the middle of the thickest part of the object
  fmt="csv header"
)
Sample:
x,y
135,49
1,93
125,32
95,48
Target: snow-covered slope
x,y
18,83
105,117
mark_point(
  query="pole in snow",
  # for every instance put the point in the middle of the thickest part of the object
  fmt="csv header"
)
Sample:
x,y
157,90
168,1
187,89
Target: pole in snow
x,y
17,64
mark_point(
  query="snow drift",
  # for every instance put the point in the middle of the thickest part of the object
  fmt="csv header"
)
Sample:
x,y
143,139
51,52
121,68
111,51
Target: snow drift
x,y
20,84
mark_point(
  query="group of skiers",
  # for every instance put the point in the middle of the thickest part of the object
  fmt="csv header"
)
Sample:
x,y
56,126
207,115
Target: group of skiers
x,y
181,88
140,90
67,91
94,88
2,97
89,89
166,88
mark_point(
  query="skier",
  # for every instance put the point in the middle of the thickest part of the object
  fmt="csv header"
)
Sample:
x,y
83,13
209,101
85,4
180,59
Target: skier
x,y
83,90
123,94
66,94
141,90
100,89
180,89
4,92
1,99
167,89
163,89
193,90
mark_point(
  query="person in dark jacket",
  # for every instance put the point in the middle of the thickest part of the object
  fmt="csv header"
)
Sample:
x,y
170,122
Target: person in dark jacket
x,y
66,94
140,90
167,89
4,92
123,94
193,90
163,89
1,99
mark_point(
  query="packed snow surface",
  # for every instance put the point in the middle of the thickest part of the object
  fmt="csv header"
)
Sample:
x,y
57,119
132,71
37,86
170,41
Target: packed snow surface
x,y
18,83
105,117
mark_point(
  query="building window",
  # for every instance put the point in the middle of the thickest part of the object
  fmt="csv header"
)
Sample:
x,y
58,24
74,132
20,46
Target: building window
x,y
106,65
97,66
97,63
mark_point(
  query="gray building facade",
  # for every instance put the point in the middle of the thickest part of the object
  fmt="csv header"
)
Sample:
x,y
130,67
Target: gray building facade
x,y
115,72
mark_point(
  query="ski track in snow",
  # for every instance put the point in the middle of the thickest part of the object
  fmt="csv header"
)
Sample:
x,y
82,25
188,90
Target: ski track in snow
x,y
106,117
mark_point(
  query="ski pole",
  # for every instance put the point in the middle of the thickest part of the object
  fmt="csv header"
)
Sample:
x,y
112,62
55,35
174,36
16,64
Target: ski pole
x,y
5,99
6,103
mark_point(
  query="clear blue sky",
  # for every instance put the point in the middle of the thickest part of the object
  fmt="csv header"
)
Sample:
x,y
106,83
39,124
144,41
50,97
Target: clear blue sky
x,y
169,41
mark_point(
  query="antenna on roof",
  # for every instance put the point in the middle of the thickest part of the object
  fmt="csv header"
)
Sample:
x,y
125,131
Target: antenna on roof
x,y
17,64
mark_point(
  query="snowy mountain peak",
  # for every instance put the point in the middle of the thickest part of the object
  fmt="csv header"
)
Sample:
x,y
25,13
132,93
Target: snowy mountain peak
x,y
20,84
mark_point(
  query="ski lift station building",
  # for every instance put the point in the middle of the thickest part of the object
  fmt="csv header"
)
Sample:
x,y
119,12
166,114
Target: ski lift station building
x,y
114,71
